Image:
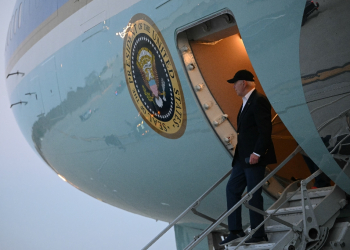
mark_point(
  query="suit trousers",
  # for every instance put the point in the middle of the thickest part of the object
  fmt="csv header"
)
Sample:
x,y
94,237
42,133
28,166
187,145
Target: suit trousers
x,y
242,177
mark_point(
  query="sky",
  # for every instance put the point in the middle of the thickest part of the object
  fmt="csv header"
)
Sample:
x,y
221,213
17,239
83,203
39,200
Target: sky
x,y
39,211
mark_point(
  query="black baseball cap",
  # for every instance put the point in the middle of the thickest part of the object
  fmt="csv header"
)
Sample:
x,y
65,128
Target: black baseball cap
x,y
242,75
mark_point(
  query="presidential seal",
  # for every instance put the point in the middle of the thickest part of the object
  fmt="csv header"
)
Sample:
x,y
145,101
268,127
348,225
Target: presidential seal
x,y
152,79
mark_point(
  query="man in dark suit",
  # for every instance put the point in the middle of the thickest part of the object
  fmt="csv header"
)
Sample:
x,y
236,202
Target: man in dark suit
x,y
253,152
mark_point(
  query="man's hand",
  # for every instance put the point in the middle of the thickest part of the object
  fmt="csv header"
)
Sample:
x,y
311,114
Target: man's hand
x,y
253,159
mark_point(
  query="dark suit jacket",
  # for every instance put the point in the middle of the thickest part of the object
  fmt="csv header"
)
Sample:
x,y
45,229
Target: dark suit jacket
x,y
254,130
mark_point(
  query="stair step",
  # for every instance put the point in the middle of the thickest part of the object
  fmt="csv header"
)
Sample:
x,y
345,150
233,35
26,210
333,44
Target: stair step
x,y
288,210
276,228
266,246
313,193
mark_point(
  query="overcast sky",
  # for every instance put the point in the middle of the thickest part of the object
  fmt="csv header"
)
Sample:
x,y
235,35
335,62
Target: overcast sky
x,y
38,211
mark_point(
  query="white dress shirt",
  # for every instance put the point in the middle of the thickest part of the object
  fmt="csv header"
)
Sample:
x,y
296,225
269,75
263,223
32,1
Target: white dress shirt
x,y
246,97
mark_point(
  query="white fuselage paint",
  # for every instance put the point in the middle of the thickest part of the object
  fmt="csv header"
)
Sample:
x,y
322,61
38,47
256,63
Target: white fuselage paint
x,y
72,28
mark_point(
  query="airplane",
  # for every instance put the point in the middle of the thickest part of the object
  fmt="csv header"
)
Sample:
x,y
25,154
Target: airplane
x,y
128,102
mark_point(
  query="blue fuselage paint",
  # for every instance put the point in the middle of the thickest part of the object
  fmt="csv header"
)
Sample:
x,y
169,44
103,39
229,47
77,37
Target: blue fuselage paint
x,y
97,140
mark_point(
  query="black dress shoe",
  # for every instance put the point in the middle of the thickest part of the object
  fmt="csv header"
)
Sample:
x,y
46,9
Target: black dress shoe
x,y
231,238
259,240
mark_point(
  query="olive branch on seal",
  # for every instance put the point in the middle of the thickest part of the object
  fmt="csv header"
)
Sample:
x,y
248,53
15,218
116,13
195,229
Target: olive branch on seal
x,y
147,94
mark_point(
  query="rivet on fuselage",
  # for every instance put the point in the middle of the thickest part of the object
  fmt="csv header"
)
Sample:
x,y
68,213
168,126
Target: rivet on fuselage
x,y
190,67
184,48
220,120
207,105
199,87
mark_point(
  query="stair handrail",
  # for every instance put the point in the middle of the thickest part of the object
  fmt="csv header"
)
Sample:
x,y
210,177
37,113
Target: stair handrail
x,y
295,228
246,198
193,205
270,216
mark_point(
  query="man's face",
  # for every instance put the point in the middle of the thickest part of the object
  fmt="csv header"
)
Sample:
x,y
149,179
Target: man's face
x,y
239,87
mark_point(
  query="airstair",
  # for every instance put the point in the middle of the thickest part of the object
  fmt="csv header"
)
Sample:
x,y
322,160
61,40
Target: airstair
x,y
301,218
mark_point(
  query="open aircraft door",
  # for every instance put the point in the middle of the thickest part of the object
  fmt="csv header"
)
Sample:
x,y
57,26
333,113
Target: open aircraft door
x,y
212,51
